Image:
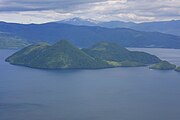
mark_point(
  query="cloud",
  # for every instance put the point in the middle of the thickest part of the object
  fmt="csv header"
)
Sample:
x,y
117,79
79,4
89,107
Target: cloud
x,y
29,5
102,10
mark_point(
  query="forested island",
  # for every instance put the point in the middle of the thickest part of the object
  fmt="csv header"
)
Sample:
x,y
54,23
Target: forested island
x,y
64,55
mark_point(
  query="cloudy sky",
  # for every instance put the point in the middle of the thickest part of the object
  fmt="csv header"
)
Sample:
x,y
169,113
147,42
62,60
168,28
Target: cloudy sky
x,y
40,11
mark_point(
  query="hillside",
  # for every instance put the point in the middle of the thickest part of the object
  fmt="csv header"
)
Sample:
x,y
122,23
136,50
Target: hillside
x,y
85,36
9,41
163,65
63,55
114,53
177,69
168,27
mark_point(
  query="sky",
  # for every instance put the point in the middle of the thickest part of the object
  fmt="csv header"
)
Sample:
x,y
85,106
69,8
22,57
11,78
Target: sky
x,y
41,11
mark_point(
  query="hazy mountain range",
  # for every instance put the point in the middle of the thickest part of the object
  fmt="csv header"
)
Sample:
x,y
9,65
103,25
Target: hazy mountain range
x,y
169,27
85,36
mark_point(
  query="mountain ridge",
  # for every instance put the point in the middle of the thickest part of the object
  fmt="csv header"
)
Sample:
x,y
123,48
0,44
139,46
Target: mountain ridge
x,y
85,36
168,27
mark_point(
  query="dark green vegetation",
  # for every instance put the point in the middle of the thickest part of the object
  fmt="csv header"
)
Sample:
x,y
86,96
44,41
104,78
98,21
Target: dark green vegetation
x,y
114,53
177,69
86,36
64,55
9,41
163,65
126,63
60,55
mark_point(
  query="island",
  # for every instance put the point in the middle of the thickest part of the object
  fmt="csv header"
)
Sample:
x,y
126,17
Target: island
x,y
177,69
163,65
64,55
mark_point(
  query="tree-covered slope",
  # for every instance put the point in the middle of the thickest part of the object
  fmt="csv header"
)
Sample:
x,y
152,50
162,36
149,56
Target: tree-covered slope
x,y
61,55
64,55
177,69
9,41
163,65
112,52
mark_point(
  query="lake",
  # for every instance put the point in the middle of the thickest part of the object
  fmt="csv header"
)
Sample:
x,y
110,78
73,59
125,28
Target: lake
x,y
106,94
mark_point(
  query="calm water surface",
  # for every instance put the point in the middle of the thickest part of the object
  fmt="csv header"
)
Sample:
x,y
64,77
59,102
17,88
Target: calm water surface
x,y
108,94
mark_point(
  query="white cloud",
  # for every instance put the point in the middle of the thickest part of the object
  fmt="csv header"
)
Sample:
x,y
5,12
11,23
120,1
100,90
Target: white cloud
x,y
103,10
34,16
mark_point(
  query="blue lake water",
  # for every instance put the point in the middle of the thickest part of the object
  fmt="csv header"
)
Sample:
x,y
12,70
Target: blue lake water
x,y
107,94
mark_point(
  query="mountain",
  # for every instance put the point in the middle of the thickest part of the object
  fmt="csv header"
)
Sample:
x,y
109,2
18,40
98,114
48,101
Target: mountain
x,y
90,22
112,53
116,24
85,36
163,65
64,55
79,21
61,55
9,41
168,27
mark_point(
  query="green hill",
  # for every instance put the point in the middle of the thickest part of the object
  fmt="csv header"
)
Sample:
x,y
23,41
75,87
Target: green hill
x,y
64,55
9,41
177,69
117,55
163,65
60,55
